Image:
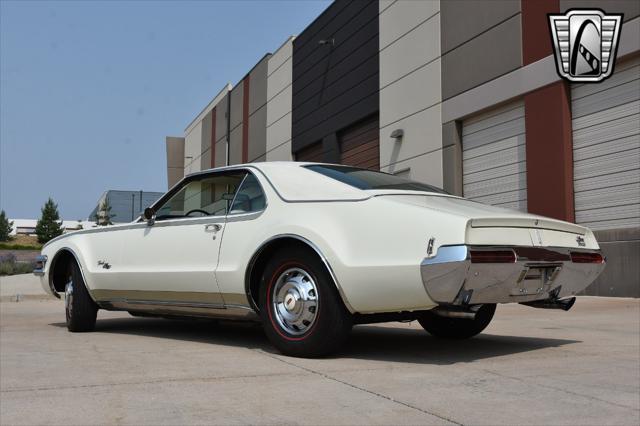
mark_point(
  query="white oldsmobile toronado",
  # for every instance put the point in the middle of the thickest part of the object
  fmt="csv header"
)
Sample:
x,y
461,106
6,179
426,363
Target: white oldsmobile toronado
x,y
311,249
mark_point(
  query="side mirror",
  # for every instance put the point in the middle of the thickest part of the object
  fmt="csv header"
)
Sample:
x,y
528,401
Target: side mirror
x,y
149,215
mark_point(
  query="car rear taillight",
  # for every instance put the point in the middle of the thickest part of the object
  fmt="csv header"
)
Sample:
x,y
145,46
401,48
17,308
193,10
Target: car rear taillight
x,y
578,257
492,256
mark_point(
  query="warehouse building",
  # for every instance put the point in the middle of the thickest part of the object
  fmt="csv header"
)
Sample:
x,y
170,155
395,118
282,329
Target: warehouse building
x,y
125,205
459,94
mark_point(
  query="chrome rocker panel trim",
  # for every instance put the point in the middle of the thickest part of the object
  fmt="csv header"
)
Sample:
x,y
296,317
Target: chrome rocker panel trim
x,y
179,308
450,277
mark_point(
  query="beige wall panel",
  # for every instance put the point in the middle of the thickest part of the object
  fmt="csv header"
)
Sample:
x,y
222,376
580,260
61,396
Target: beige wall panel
x,y
258,86
175,151
279,80
423,43
235,150
193,143
415,92
279,95
257,134
205,148
426,168
174,176
221,153
280,56
279,106
236,105
280,153
221,120
175,160
279,132
422,133
401,16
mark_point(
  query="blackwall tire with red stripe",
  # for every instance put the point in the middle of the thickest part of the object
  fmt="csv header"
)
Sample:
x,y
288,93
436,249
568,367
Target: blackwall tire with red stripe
x,y
301,310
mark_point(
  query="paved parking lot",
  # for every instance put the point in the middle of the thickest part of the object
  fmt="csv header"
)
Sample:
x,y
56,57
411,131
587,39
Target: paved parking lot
x,y
530,367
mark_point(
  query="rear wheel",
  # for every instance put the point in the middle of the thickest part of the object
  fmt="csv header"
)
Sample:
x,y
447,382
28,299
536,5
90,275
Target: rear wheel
x,y
80,310
457,328
301,310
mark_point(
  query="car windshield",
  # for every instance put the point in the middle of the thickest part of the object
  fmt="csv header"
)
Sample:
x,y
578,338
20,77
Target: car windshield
x,y
369,179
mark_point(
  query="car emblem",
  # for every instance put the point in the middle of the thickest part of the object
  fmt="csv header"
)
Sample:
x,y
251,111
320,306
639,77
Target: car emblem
x,y
539,236
585,43
580,241
430,244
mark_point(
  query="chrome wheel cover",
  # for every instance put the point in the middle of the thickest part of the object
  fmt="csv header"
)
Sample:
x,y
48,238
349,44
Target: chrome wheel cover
x,y
294,301
68,298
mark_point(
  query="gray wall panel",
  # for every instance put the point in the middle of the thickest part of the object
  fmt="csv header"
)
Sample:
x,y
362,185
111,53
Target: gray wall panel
x,y
630,8
175,159
257,134
258,86
236,105
205,149
463,20
483,58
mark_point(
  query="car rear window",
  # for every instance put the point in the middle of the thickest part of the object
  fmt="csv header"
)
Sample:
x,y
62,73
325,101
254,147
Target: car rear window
x,y
369,179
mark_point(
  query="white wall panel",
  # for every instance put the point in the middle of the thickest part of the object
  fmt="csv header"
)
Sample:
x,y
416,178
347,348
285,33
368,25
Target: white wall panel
x,y
494,157
606,149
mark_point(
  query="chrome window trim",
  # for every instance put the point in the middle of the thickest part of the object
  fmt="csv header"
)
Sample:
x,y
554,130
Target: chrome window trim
x,y
264,193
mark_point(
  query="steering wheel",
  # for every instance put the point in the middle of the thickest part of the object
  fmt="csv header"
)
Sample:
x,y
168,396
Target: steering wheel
x,y
197,211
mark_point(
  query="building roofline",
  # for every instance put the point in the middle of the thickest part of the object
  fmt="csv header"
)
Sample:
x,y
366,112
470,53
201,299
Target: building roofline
x,y
216,99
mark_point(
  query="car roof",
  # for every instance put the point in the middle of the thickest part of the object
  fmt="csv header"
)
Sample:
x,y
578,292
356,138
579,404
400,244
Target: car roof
x,y
295,183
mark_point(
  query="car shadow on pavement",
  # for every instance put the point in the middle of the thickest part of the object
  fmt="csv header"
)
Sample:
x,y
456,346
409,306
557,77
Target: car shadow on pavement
x,y
386,343
378,342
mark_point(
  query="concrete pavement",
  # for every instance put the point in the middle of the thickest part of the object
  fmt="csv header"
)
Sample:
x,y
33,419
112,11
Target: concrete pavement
x,y
23,286
530,367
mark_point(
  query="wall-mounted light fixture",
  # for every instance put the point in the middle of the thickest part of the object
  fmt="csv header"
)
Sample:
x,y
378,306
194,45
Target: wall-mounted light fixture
x,y
397,134
331,41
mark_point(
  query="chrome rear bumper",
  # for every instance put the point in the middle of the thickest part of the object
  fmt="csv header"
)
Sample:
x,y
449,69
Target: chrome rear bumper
x,y
450,277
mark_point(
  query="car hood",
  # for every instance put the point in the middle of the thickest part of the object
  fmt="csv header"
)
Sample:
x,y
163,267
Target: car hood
x,y
481,215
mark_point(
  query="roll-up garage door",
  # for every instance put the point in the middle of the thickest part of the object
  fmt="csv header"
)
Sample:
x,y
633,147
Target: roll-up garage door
x,y
360,144
494,157
606,149
313,153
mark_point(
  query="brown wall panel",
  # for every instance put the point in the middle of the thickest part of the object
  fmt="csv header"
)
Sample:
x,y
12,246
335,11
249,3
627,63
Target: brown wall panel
x,y
549,151
536,37
312,153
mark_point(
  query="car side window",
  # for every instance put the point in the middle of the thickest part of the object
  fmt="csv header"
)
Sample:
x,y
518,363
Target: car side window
x,y
202,196
249,197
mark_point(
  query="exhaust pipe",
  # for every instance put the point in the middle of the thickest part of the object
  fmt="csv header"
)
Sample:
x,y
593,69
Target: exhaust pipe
x,y
451,313
564,304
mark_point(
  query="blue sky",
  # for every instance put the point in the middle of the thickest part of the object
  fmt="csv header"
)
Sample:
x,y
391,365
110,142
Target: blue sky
x,y
89,90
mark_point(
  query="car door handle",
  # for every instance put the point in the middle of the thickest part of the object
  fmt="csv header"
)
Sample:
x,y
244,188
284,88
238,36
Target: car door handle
x,y
212,227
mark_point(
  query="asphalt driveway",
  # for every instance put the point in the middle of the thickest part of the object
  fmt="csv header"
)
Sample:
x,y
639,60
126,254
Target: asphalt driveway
x,y
530,367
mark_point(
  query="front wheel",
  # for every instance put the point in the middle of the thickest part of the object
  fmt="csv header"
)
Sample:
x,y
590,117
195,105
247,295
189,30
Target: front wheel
x,y
80,310
457,328
301,310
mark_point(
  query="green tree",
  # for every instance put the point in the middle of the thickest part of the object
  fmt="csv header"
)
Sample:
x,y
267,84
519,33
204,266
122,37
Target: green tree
x,y
103,215
49,224
5,227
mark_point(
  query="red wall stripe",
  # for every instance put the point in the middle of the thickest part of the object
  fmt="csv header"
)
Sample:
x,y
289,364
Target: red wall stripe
x,y
245,119
213,137
547,123
536,37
